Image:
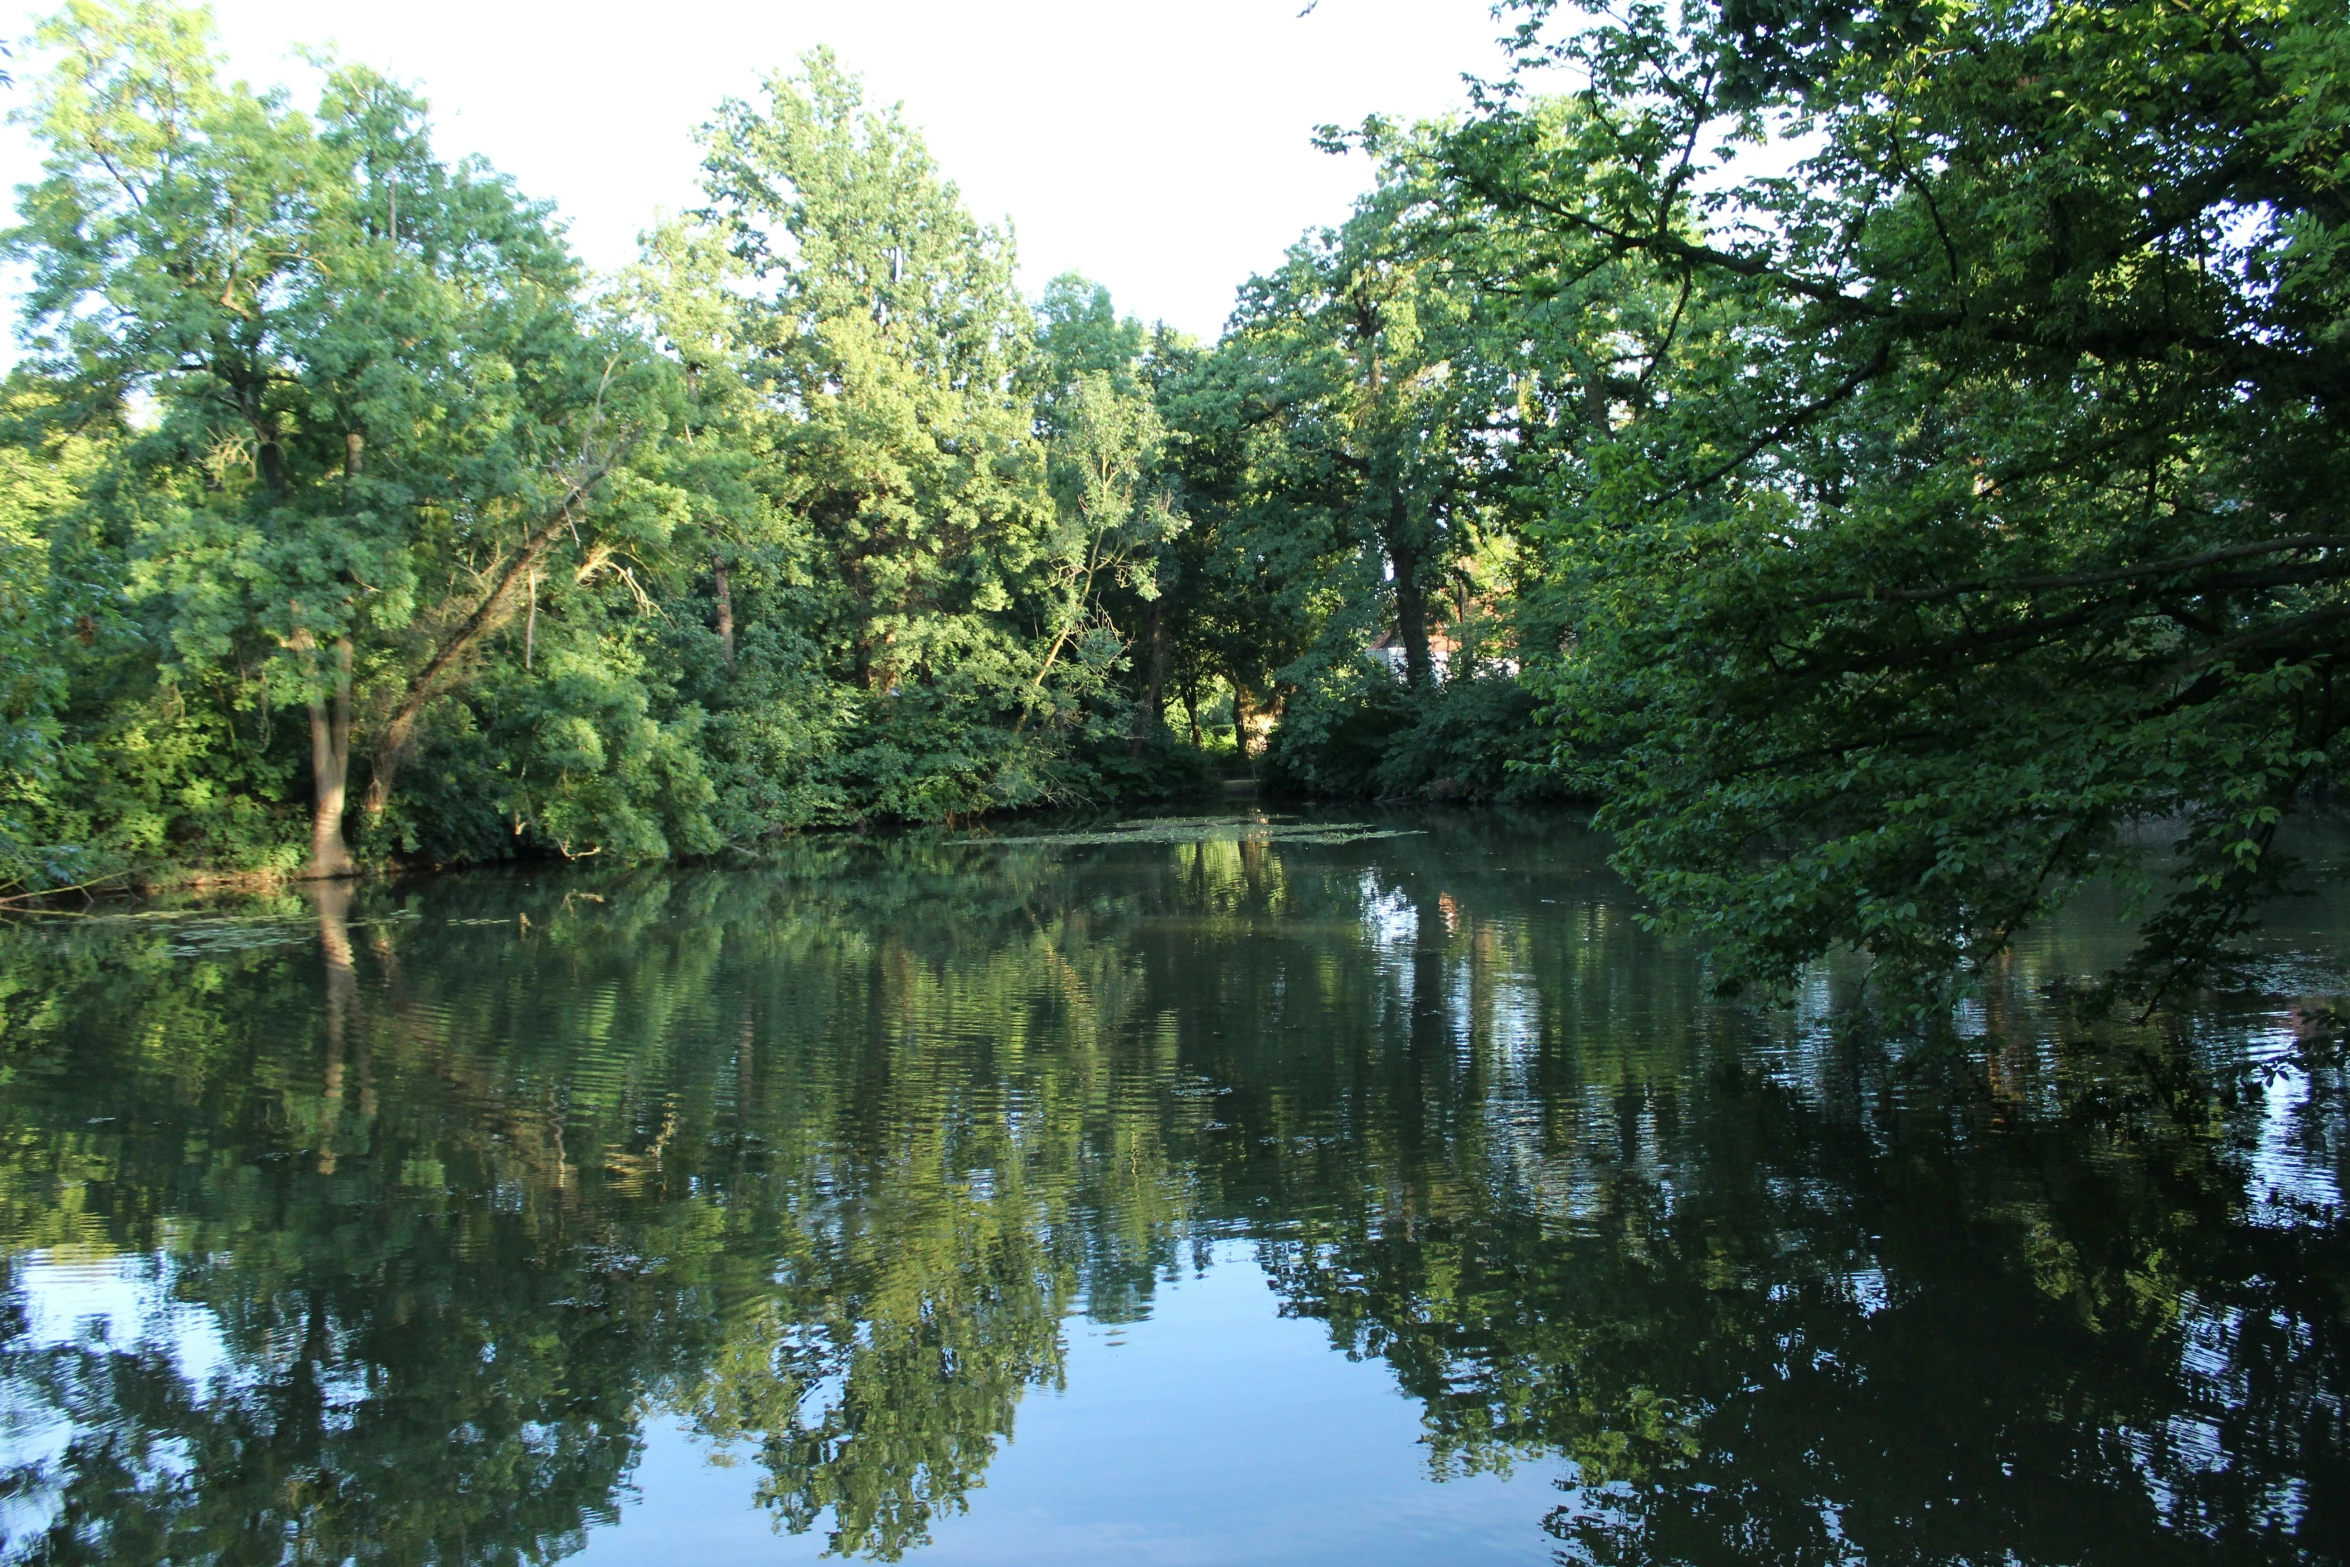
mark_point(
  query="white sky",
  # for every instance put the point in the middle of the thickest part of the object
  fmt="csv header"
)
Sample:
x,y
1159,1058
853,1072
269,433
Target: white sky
x,y
1160,149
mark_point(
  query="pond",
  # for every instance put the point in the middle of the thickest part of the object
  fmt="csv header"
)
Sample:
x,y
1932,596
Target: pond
x,y
1201,1191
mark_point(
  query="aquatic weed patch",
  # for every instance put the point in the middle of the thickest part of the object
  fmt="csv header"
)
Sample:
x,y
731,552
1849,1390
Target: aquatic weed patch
x,y
1208,829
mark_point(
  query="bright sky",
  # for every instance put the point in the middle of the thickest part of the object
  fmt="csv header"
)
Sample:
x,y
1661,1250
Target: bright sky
x,y
1162,149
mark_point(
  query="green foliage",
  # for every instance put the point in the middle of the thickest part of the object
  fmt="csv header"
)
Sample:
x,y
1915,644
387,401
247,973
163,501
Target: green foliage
x,y
362,409
1978,520
338,501
1895,541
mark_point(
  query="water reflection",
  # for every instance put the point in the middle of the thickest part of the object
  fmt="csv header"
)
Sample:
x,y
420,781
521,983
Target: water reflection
x,y
384,1227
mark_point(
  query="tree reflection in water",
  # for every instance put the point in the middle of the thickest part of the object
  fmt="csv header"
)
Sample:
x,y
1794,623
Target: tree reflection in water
x,y
459,1183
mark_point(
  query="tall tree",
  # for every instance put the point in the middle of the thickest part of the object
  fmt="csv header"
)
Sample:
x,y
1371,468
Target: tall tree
x,y
1385,394
889,332
2002,531
375,406
1108,555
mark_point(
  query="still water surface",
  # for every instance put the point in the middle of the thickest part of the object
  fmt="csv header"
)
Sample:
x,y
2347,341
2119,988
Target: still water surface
x,y
1210,1192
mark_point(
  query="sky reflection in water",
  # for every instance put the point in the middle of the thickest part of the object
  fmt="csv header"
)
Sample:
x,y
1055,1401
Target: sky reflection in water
x,y
1185,1194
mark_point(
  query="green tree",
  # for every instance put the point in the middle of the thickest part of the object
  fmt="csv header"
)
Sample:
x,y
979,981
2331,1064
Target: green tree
x,y
369,410
1117,552
886,335
1109,524
1997,533
44,843
1360,435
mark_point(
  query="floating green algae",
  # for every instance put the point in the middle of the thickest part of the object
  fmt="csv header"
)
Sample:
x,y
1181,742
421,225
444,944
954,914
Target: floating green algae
x,y
1205,829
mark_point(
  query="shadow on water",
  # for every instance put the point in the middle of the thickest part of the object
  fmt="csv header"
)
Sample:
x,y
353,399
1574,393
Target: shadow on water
x,y
378,1226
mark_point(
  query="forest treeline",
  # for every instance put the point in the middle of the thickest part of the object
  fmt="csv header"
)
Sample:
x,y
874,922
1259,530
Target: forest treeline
x,y
1891,457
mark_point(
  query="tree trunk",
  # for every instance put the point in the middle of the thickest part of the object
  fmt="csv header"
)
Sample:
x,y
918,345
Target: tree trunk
x,y
330,769
725,610
1411,624
1154,698
1411,600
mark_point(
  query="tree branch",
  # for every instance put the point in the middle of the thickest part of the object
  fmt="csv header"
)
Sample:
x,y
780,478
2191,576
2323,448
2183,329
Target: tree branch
x,y
391,748
2089,579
